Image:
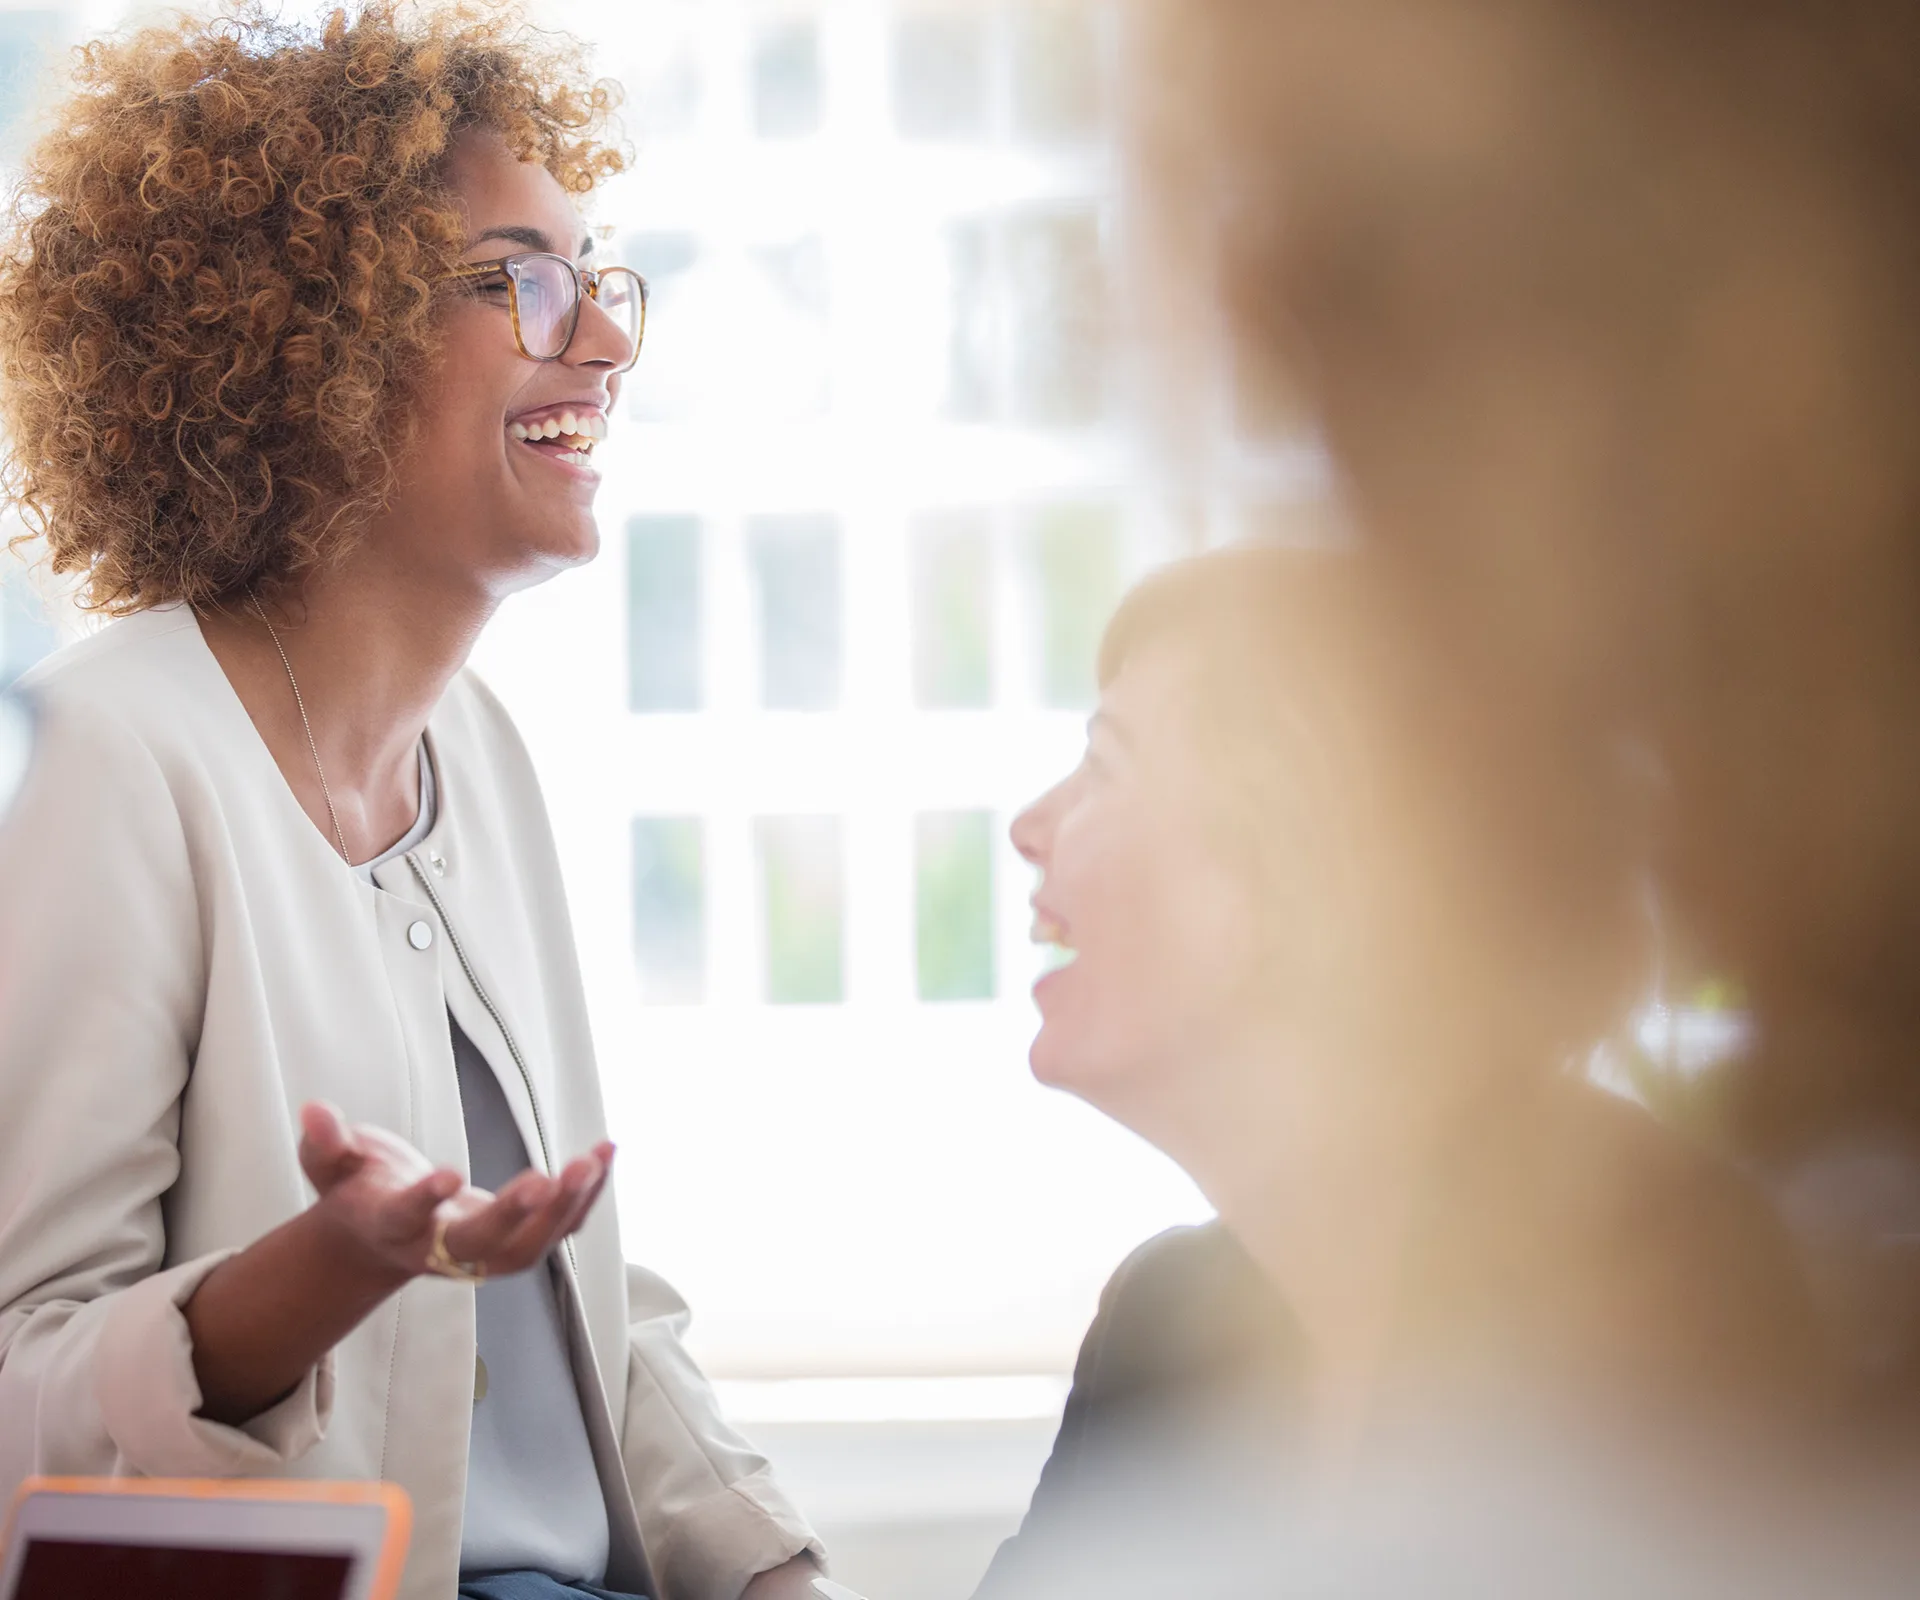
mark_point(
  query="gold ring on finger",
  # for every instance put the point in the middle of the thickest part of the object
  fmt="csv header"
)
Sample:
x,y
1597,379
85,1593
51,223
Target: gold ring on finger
x,y
441,1263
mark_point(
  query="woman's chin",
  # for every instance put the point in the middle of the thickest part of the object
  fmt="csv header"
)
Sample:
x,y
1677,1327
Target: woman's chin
x,y
570,541
1060,1061
556,550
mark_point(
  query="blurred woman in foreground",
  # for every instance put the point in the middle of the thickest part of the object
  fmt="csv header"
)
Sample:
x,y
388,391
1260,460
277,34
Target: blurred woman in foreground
x,y
1341,936
1606,312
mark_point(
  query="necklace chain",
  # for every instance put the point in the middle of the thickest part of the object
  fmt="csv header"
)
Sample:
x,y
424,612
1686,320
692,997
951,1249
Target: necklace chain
x,y
339,838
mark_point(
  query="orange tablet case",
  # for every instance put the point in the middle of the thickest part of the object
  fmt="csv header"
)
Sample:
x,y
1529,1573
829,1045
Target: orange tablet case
x,y
393,1549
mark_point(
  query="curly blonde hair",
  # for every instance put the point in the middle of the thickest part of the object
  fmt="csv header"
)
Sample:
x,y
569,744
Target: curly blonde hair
x,y
217,281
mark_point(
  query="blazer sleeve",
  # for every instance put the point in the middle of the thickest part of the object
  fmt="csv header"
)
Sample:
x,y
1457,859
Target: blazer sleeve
x,y
102,985
710,1512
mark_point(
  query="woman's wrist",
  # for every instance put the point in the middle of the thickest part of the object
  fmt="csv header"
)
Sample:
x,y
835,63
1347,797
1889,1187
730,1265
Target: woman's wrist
x,y
357,1268
263,1319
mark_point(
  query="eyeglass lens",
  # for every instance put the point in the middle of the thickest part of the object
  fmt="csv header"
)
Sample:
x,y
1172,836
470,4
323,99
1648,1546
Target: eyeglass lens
x,y
547,291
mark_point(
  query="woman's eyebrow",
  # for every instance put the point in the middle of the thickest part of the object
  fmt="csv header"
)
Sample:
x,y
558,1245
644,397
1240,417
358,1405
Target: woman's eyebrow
x,y
516,233
528,238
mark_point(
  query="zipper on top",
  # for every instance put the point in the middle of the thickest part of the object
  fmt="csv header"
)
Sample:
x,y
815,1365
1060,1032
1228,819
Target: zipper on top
x,y
506,1033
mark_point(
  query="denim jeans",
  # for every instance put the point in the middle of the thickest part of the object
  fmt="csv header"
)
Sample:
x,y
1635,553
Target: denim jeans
x,y
531,1586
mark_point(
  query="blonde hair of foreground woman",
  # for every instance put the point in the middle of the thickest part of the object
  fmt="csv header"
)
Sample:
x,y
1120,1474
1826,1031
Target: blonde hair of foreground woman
x,y
1606,312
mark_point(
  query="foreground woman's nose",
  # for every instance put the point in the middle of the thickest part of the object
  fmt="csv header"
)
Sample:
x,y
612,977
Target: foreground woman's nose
x,y
1031,830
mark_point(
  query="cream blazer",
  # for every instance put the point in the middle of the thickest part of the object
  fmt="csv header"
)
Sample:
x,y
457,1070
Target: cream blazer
x,y
184,960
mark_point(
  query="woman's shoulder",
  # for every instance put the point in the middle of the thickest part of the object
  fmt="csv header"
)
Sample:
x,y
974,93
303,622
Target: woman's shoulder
x,y
1189,1307
129,664
132,694
1204,1260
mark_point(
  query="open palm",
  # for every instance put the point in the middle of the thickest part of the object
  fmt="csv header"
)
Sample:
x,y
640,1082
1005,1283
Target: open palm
x,y
388,1199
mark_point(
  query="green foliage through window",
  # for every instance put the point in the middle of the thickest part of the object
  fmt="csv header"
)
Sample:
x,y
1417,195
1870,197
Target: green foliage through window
x,y
1075,554
952,578
803,910
953,893
670,909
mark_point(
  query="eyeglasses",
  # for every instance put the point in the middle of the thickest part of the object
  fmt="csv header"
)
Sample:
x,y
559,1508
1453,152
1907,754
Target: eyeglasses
x,y
544,295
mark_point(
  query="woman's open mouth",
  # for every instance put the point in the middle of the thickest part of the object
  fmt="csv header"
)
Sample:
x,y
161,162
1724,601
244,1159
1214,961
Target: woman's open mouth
x,y
564,434
1051,935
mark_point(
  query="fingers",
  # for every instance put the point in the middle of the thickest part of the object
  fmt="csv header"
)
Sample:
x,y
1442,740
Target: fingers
x,y
328,1150
590,1196
410,1212
480,1236
574,1193
530,1215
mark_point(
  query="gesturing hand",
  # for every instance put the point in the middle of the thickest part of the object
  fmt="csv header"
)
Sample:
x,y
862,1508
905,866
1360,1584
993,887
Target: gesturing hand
x,y
385,1198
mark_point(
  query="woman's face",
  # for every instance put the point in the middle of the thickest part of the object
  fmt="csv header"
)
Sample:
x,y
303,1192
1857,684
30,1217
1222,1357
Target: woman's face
x,y
492,506
1156,925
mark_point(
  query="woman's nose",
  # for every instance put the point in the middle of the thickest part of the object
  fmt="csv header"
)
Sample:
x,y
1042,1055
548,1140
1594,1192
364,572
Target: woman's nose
x,y
599,340
1032,829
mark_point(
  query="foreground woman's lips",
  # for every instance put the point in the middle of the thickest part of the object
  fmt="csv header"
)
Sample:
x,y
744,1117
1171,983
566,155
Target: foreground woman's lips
x,y
1050,933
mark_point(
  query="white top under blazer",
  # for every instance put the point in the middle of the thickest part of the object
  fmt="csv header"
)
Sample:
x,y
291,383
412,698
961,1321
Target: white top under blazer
x,y
184,960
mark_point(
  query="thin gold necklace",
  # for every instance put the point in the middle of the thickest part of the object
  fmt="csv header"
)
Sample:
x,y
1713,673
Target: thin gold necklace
x,y
333,816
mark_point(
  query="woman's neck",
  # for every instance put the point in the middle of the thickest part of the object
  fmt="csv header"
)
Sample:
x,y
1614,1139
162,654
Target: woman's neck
x,y
372,653
1316,1169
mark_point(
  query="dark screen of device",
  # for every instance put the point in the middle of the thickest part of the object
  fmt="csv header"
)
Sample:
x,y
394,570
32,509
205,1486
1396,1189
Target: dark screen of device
x,y
64,1569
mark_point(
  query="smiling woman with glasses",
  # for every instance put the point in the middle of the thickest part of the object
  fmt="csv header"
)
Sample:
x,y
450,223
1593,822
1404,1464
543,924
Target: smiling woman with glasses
x,y
302,1151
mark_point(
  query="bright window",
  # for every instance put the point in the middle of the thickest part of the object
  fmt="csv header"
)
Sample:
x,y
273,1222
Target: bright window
x,y
953,910
663,613
802,909
670,909
952,577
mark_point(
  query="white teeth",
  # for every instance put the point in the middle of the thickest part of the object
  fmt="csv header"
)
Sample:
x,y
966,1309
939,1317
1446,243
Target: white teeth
x,y
580,429
575,457
1055,956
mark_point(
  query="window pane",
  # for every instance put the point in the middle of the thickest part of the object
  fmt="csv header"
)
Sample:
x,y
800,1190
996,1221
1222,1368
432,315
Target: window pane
x,y
796,571
667,384
797,270
659,257
951,559
26,631
1057,302
792,332
663,614
670,909
663,96
940,72
973,320
1075,554
802,907
786,79
1055,49
953,893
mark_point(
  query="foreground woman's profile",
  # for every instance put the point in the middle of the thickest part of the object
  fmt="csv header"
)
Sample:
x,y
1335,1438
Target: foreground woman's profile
x,y
1340,936
304,360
